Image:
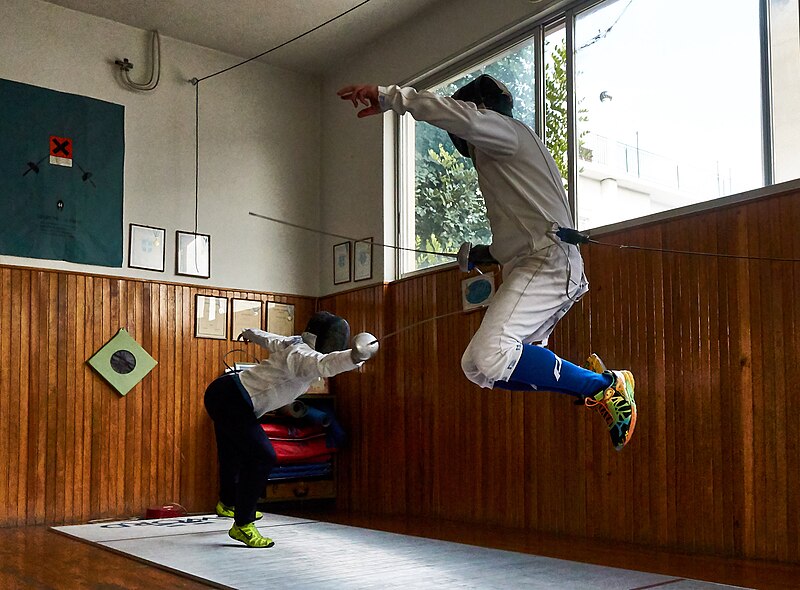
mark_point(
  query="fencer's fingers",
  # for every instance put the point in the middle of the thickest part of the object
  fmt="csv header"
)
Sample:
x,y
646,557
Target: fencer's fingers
x,y
373,110
345,90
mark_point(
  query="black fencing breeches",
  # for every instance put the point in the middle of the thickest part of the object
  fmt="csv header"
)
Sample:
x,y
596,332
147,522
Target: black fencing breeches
x,y
245,453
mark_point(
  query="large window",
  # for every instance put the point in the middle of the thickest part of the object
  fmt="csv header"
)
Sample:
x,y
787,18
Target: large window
x,y
674,102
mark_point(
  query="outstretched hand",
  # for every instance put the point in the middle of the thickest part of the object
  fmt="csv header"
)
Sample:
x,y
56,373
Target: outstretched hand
x,y
365,94
365,346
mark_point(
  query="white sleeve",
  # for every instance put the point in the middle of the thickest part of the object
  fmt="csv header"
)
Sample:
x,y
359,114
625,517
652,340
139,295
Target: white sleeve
x,y
311,364
272,342
488,131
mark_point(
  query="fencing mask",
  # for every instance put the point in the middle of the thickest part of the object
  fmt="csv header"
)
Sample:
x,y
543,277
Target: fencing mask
x,y
492,94
326,332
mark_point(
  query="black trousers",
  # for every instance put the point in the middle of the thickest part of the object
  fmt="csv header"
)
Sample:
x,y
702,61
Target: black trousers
x,y
245,453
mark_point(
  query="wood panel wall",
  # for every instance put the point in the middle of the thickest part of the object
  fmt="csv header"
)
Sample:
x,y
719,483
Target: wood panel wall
x,y
73,449
714,465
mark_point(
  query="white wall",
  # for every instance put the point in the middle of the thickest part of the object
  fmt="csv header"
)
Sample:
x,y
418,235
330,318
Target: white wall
x,y
259,134
355,194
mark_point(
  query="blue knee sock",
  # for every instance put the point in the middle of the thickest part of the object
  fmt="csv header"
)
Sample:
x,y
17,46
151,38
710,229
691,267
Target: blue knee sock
x,y
540,369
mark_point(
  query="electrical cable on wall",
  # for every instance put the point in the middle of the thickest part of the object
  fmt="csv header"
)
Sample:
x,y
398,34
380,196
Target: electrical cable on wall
x,y
196,83
126,66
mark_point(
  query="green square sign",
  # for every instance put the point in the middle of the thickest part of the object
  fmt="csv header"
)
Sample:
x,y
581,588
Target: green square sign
x,y
122,362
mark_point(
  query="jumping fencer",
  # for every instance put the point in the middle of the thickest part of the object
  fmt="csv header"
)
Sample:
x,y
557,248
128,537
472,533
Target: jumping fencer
x,y
543,277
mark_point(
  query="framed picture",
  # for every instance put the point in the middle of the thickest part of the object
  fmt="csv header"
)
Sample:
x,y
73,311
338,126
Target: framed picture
x,y
146,247
341,263
211,317
193,252
362,260
477,291
245,313
280,318
319,387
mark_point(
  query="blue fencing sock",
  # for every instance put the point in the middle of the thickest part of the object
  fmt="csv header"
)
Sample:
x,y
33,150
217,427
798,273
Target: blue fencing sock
x,y
540,369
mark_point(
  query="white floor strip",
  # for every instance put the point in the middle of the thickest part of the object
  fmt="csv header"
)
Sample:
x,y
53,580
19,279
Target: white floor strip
x,y
311,555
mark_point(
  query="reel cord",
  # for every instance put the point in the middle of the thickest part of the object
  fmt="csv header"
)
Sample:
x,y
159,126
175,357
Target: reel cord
x,y
573,236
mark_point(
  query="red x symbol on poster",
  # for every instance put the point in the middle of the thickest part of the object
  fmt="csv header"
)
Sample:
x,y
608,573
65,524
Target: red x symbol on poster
x,y
60,150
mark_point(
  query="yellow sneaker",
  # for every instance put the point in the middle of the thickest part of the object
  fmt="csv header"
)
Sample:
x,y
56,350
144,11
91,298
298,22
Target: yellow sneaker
x,y
227,511
249,535
617,406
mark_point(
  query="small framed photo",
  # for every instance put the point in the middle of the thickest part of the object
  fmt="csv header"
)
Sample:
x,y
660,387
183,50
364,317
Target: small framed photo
x,y
245,313
362,260
193,253
146,247
341,263
477,292
280,318
211,317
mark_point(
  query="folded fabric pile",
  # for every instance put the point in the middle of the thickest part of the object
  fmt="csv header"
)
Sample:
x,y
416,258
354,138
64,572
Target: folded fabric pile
x,y
305,440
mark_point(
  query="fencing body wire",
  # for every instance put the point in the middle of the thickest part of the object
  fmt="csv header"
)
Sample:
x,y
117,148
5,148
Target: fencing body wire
x,y
342,237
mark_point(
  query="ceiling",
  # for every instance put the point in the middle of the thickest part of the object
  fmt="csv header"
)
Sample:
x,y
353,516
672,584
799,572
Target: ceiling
x,y
246,28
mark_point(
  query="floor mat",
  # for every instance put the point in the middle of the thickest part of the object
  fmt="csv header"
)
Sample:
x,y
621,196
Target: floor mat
x,y
312,555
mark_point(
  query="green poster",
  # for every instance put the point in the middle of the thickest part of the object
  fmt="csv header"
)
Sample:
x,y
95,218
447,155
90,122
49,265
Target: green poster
x,y
61,175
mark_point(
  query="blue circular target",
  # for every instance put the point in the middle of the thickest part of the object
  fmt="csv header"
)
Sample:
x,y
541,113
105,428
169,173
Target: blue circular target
x,y
478,291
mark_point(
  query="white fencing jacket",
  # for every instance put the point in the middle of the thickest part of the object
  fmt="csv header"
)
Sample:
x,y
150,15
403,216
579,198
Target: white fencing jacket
x,y
291,367
519,180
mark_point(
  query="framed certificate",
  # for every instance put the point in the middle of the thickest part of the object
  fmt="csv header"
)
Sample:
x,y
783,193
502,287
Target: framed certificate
x,y
245,313
280,318
362,260
341,263
146,247
211,317
193,253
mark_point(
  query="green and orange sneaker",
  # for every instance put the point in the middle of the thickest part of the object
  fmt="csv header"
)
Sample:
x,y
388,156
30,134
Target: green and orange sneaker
x,y
228,511
617,406
249,535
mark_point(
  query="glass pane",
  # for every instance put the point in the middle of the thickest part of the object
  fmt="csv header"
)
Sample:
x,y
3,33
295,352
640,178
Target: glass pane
x,y
785,51
448,206
555,98
669,105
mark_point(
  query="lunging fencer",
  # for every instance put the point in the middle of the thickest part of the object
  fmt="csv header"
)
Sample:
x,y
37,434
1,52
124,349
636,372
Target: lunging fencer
x,y
543,277
237,400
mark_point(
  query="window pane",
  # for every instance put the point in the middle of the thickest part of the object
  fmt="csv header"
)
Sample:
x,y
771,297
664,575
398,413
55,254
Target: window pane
x,y
555,98
785,50
669,105
447,204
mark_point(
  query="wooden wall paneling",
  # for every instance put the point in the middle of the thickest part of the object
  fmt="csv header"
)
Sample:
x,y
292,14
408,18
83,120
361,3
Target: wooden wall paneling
x,y
748,340
759,326
88,395
711,318
711,342
5,388
32,311
23,346
11,438
782,327
792,401
728,373
67,392
161,406
55,446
